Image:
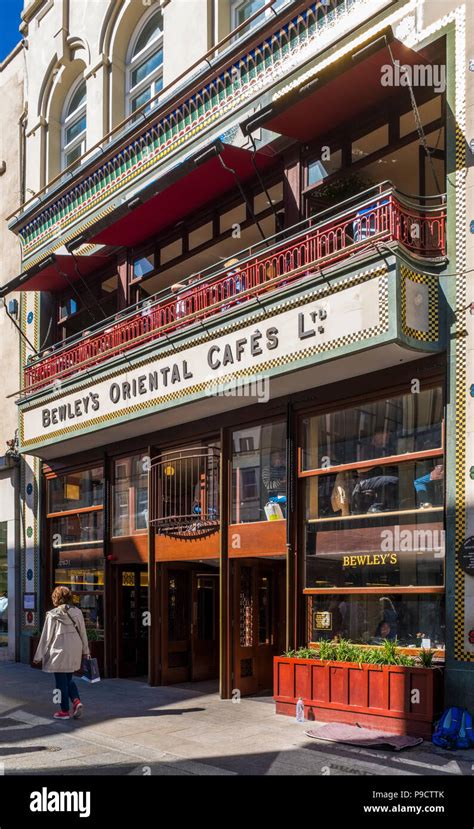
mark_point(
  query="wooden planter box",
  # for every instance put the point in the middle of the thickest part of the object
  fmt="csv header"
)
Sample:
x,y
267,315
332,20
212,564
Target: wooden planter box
x,y
374,696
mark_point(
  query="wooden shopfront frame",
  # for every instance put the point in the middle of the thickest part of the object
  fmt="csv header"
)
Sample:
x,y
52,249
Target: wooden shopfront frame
x,y
303,616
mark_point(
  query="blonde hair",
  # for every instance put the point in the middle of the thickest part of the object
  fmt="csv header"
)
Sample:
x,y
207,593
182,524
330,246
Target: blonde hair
x,y
61,595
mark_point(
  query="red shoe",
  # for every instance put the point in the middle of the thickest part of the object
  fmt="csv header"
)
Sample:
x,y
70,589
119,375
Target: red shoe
x,y
62,715
77,709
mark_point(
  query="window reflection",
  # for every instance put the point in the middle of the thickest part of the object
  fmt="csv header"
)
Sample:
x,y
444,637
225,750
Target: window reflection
x,y
259,473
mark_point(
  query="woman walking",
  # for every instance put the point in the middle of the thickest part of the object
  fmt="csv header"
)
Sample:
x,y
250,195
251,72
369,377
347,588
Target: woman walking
x,y
61,648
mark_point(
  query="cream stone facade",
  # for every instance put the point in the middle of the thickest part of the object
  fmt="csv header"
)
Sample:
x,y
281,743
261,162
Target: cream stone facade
x,y
70,88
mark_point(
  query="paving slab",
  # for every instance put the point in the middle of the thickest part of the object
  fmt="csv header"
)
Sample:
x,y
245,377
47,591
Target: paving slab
x,y
129,728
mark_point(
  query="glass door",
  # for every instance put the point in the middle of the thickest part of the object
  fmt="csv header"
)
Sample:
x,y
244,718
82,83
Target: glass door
x,y
205,626
133,627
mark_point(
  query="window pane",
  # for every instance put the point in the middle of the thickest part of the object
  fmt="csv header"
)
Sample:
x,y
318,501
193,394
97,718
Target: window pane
x,y
370,619
76,490
141,99
75,129
392,426
130,496
319,169
402,551
246,9
143,265
147,67
412,485
259,473
72,156
150,32
78,99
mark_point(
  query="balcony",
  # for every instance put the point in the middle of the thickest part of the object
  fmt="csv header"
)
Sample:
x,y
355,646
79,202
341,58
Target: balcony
x,y
378,216
184,493
132,154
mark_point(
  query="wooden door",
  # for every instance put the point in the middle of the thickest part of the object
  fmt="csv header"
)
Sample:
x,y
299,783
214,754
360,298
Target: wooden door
x,y
176,626
258,621
205,626
132,604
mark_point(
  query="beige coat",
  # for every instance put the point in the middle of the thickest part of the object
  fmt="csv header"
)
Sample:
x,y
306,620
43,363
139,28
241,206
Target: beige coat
x,y
61,646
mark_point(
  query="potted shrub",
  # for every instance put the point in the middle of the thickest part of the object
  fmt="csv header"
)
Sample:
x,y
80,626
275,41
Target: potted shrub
x,y
376,687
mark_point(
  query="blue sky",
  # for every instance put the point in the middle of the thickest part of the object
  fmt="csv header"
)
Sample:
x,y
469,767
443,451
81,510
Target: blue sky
x,y
10,11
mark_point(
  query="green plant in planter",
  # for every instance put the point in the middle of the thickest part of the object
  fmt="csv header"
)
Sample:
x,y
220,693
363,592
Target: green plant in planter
x,y
426,657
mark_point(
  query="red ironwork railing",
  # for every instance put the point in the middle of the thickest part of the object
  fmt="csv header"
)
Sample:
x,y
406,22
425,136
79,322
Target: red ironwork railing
x,y
378,215
184,492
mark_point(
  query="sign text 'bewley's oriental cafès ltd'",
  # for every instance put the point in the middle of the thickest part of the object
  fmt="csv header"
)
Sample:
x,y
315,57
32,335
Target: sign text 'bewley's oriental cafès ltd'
x,y
249,350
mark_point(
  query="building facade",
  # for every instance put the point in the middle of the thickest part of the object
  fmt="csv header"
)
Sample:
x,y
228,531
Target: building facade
x,y
12,183
245,401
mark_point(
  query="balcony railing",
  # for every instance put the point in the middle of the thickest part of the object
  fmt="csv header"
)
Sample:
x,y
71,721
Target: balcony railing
x,y
203,104
184,492
378,215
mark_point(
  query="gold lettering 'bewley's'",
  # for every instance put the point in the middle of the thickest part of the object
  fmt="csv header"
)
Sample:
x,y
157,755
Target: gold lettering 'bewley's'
x,y
370,560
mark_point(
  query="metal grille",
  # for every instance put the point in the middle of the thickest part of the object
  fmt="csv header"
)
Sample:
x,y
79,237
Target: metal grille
x,y
184,492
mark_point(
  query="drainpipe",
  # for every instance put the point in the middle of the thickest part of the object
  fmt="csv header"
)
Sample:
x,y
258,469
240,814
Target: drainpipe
x,y
22,122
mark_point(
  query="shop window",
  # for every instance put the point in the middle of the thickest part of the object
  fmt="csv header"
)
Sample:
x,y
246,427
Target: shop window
x,y
76,540
3,584
369,143
414,620
374,516
130,496
325,165
383,428
76,490
259,473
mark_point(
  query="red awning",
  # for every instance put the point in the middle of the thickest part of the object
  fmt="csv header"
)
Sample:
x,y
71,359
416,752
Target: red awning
x,y
58,276
193,189
341,93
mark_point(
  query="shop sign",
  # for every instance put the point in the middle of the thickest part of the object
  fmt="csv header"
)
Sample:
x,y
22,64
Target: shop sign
x,y
377,560
277,345
322,620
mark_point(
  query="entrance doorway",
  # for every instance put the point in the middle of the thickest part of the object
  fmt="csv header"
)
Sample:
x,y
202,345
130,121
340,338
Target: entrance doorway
x,y
190,629
131,630
259,622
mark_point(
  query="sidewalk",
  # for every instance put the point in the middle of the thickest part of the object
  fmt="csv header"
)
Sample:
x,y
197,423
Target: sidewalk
x,y
129,728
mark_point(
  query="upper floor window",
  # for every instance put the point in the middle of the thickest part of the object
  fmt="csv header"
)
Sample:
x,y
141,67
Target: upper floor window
x,y
74,124
145,65
243,9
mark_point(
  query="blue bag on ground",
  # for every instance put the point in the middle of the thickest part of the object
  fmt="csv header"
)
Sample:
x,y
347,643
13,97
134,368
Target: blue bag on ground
x,y
90,670
454,729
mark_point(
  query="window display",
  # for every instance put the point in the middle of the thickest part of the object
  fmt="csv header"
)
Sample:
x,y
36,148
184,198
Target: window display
x,y
76,541
378,429
259,473
377,521
130,495
415,621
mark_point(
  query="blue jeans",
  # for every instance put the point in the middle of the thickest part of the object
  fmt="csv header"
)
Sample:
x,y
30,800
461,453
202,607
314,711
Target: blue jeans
x,y
68,688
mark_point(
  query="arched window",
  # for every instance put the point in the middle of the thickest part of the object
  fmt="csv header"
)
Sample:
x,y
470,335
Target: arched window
x,y
74,124
145,63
